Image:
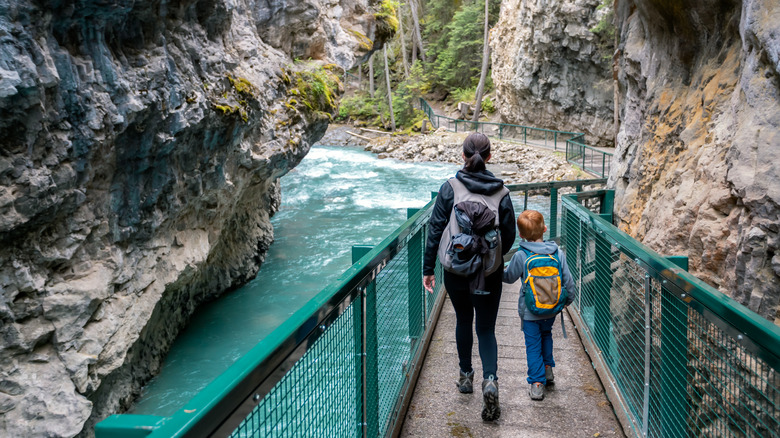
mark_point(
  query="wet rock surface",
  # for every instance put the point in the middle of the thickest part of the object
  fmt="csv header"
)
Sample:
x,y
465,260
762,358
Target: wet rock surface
x,y
140,148
695,169
551,71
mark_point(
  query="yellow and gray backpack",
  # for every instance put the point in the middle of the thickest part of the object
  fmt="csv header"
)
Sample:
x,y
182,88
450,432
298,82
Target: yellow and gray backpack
x,y
545,293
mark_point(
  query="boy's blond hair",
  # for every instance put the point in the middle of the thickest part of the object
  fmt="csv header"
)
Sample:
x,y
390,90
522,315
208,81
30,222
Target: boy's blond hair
x,y
530,224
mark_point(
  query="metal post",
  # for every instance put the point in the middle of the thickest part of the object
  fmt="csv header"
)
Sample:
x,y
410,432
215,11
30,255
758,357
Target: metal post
x,y
607,207
414,281
359,331
501,131
568,235
370,375
525,200
674,363
648,345
456,126
553,212
601,299
555,138
525,140
360,362
603,164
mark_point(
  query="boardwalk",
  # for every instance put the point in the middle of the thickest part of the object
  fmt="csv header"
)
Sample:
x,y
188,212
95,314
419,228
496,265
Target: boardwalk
x,y
577,407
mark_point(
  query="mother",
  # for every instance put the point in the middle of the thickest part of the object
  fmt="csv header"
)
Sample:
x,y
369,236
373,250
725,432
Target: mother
x,y
478,182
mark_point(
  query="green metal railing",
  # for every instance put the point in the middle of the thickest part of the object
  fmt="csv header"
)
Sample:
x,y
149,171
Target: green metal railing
x,y
573,144
678,358
343,365
546,198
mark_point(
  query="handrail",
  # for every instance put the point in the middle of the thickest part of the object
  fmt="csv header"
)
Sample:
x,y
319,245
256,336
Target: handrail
x,y
735,317
230,398
665,342
227,401
577,152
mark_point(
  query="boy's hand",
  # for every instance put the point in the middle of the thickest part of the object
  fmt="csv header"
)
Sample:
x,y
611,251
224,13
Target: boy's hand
x,y
429,282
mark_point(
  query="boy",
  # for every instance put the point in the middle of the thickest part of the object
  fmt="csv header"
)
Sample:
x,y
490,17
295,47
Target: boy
x,y
537,328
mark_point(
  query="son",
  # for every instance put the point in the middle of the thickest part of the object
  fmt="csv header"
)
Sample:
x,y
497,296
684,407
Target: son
x,y
547,288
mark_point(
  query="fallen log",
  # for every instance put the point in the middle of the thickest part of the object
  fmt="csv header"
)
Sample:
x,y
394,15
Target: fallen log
x,y
359,136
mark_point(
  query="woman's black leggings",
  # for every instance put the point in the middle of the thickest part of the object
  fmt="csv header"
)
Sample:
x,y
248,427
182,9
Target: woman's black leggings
x,y
485,307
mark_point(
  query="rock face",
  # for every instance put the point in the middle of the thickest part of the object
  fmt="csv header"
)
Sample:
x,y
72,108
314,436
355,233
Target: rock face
x,y
140,148
551,71
695,168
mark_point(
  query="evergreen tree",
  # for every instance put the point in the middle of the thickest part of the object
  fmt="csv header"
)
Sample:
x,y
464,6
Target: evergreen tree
x,y
455,32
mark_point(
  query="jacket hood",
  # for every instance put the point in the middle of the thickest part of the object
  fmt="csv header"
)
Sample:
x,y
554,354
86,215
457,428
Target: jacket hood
x,y
546,247
482,182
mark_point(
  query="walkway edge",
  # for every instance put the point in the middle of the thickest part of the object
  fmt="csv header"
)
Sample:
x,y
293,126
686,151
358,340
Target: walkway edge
x,y
419,361
605,375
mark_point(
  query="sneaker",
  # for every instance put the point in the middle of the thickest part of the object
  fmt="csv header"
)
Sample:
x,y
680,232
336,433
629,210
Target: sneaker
x,y
536,391
466,382
548,374
491,411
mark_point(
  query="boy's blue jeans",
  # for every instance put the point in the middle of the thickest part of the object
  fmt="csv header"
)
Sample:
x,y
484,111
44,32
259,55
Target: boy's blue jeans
x,y
538,348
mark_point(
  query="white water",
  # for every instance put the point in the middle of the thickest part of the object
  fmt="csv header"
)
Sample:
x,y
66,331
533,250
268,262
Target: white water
x,y
337,197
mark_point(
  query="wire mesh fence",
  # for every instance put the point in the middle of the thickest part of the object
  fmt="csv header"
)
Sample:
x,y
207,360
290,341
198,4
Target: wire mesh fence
x,y
572,144
342,366
682,362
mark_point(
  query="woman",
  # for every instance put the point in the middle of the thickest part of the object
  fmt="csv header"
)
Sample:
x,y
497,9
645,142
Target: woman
x,y
467,301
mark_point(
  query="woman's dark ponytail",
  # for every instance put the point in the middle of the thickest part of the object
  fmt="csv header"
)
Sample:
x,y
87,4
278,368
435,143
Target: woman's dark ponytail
x,y
476,148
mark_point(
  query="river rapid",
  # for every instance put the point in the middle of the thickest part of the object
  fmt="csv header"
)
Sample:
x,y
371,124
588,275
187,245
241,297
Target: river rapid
x,y
337,197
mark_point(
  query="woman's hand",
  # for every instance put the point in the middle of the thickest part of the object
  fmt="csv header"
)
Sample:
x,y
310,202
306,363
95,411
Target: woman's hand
x,y
429,282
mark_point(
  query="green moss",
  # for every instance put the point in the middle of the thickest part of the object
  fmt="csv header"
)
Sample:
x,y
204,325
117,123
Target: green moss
x,y
604,31
387,15
243,86
316,89
226,109
386,22
364,41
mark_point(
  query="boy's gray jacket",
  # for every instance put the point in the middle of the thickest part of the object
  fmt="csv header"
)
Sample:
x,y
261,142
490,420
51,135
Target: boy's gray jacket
x,y
516,271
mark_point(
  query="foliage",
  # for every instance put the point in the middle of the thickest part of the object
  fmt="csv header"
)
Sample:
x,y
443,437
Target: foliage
x,y
455,41
406,95
605,30
386,21
487,105
359,106
462,95
316,88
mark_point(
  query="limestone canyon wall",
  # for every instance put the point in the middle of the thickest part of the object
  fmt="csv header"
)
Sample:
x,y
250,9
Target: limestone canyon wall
x,y
551,71
696,165
140,147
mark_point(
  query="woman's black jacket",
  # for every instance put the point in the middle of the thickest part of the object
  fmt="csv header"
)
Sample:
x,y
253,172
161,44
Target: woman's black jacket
x,y
482,182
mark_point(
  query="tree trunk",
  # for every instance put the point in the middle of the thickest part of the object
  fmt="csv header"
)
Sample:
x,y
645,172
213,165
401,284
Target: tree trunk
x,y
371,76
485,62
403,41
414,48
417,34
389,90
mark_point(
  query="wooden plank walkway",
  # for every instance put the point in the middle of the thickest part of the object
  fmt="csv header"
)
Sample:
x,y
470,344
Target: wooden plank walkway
x,y
576,407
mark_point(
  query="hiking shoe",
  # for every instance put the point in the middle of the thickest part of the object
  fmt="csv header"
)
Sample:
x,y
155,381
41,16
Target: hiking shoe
x,y
466,382
491,411
548,374
536,391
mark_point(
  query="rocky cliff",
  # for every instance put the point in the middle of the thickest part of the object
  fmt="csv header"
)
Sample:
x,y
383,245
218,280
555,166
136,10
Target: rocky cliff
x,y
549,68
695,169
140,147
